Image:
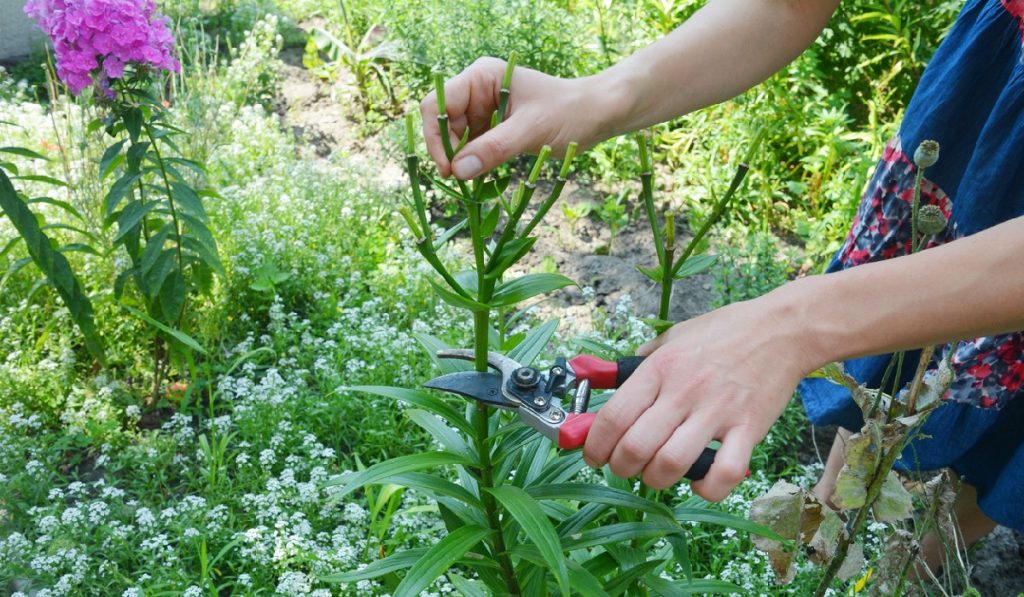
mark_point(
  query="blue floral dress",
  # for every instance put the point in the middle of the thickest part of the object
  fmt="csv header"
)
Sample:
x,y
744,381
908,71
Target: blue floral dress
x,y
971,100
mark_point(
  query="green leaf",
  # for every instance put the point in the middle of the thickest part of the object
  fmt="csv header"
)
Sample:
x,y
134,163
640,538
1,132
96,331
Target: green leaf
x,y
654,273
152,280
438,559
178,335
695,264
435,485
625,578
561,469
490,221
433,344
117,192
135,155
25,153
444,434
526,287
697,586
492,189
109,160
450,234
620,532
190,164
205,253
172,295
131,216
510,254
423,400
9,246
187,199
601,494
732,521
465,587
43,179
53,265
154,247
396,561
63,205
457,300
133,122
531,346
527,512
383,470
583,582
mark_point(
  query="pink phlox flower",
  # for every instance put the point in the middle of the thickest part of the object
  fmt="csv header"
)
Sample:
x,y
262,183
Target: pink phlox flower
x,y
93,40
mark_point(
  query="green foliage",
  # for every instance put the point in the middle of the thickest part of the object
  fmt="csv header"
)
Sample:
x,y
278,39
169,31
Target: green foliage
x,y
49,259
362,55
162,224
533,30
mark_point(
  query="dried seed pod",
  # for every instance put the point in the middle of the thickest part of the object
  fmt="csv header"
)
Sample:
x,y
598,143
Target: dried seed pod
x,y
927,154
931,220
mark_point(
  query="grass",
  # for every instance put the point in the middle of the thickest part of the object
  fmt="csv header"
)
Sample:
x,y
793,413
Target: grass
x,y
213,488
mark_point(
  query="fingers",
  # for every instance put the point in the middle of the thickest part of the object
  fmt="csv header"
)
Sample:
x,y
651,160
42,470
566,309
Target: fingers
x,y
675,457
432,134
619,414
470,98
730,467
493,148
648,434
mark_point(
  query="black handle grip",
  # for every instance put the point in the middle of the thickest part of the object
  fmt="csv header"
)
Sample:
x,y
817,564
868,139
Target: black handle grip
x,y
700,468
626,367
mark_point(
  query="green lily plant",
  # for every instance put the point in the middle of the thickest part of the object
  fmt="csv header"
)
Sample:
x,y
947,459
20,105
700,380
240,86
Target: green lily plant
x,y
519,519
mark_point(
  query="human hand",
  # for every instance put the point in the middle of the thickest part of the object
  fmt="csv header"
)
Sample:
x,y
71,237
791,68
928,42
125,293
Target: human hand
x,y
542,110
726,375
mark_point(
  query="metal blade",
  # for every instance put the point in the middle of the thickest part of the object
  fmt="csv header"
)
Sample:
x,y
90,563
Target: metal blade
x,y
485,387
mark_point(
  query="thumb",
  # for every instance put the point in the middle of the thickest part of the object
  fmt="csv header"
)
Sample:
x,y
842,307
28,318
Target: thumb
x,y
491,149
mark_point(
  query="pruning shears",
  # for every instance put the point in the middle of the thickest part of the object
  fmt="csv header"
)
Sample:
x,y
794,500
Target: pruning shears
x,y
537,396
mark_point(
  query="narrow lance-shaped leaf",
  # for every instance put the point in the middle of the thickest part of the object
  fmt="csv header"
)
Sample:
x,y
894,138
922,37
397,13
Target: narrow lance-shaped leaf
x,y
53,264
439,558
397,561
697,586
445,435
601,494
625,579
527,512
178,335
383,470
528,286
531,346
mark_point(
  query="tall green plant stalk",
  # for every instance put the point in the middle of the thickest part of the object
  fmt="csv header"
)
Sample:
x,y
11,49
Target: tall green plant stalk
x,y
491,260
670,269
497,525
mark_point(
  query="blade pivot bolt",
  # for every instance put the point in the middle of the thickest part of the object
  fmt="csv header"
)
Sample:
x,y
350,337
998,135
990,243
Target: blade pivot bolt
x,y
525,378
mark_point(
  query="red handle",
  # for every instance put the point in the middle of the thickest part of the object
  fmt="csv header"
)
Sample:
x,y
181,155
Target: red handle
x,y
573,432
601,373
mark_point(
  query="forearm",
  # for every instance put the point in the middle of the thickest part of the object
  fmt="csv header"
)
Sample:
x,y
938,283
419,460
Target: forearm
x,y
724,49
968,288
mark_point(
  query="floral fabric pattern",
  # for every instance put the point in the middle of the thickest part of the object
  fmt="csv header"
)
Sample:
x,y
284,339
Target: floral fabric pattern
x,y
989,371
882,227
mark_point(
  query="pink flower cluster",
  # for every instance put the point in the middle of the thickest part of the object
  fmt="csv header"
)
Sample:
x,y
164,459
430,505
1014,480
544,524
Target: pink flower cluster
x,y
99,37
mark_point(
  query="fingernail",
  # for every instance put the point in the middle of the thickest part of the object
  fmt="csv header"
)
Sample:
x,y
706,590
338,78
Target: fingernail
x,y
467,167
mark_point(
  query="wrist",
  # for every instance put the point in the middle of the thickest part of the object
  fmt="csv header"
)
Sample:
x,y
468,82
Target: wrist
x,y
808,333
610,103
